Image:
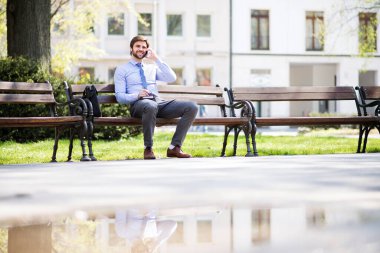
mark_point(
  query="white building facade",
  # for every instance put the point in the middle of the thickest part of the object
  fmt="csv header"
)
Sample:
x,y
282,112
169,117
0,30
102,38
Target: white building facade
x,y
246,43
300,43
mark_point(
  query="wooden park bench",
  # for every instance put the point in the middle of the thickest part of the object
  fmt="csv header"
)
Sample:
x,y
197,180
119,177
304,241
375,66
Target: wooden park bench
x,y
20,93
211,96
315,93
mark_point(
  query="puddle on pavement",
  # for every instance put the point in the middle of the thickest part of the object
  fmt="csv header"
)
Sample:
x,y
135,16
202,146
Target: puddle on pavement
x,y
199,229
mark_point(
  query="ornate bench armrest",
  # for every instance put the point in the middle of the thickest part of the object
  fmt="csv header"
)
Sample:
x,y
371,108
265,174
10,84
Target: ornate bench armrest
x,y
247,108
77,106
371,104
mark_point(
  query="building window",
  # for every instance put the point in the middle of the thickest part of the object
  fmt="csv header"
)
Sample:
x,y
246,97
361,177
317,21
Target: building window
x,y
178,236
203,77
316,218
260,224
86,73
144,26
260,30
314,31
203,25
367,32
111,73
179,74
174,25
204,231
116,24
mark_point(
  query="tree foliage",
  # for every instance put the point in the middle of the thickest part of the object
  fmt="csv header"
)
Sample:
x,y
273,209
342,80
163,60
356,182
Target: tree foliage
x,y
74,30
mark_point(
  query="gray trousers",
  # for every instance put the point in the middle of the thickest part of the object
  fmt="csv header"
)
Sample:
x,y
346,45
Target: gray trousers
x,y
148,110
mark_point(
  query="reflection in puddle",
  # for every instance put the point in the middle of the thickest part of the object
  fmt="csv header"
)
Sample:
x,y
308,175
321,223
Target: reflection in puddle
x,y
201,230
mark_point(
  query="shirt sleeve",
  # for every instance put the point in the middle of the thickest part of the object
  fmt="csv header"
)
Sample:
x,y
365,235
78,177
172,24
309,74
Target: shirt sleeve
x,y
164,72
121,89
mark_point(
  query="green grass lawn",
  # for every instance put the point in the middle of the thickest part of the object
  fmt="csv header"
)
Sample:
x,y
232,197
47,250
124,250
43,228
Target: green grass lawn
x,y
198,144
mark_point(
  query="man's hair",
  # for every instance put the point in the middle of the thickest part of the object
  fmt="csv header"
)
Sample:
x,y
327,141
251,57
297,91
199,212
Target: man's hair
x,y
136,39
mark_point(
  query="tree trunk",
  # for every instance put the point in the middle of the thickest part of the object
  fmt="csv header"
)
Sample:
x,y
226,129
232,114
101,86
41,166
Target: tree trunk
x,y
28,30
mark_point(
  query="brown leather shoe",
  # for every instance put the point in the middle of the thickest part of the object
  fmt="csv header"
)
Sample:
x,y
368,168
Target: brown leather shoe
x,y
177,152
148,154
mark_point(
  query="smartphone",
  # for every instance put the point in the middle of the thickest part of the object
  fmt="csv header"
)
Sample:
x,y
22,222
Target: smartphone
x,y
146,53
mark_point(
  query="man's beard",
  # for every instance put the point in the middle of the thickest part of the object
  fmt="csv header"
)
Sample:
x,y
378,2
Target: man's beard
x,y
136,56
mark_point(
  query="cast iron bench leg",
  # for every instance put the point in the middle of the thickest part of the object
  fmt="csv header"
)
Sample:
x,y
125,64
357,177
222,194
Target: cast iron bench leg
x,y
72,133
361,132
82,134
247,131
226,133
367,130
90,130
253,136
55,147
236,136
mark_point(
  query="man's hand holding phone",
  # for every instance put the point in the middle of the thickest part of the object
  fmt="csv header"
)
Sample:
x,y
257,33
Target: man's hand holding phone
x,y
151,55
145,94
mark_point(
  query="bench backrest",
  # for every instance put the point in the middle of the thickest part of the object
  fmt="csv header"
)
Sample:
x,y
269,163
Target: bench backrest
x,y
293,93
202,95
371,92
26,93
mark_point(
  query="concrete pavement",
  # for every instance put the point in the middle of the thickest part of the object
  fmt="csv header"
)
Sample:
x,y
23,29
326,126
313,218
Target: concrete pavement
x,y
42,190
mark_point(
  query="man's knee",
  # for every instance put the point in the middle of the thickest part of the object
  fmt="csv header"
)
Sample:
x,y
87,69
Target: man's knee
x,y
150,108
193,108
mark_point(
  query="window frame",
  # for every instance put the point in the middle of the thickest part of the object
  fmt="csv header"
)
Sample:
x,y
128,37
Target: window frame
x,y
180,80
203,76
209,27
368,22
314,34
140,25
181,24
109,16
259,18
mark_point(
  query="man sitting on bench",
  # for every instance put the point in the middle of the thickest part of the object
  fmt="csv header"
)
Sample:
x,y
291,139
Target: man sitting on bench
x,y
135,84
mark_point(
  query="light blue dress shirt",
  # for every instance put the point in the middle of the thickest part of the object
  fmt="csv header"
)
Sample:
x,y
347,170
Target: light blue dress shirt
x,y
128,81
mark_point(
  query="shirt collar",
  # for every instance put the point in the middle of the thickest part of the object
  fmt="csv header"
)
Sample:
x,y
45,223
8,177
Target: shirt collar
x,y
135,62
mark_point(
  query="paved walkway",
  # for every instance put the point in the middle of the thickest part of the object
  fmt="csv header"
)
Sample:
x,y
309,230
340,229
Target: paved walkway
x,y
271,181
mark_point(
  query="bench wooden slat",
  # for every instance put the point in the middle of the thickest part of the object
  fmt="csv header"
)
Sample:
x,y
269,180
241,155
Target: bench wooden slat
x,y
293,96
27,99
298,121
293,93
200,100
301,89
181,89
39,121
101,88
25,87
110,99
372,92
216,121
